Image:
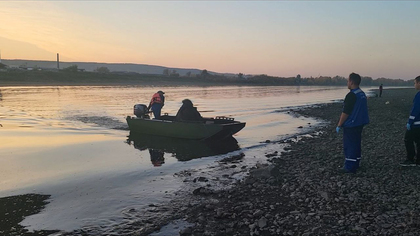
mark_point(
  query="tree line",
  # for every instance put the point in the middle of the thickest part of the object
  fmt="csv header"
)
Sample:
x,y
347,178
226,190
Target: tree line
x,y
273,80
298,80
263,79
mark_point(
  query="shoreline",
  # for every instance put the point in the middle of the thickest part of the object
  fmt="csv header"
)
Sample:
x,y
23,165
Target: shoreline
x,y
306,195
303,193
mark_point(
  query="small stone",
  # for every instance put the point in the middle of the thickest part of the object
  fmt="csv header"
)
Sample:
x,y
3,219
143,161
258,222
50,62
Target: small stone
x,y
262,222
185,232
386,226
258,213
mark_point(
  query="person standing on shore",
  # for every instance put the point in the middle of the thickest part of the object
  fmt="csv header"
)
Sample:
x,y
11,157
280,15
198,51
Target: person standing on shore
x,y
157,102
353,117
380,90
412,134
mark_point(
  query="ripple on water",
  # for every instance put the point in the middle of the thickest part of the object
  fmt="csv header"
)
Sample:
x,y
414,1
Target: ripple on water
x,y
89,111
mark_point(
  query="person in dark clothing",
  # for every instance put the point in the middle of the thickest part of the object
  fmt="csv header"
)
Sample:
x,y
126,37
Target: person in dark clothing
x,y
353,117
157,102
188,112
380,90
412,134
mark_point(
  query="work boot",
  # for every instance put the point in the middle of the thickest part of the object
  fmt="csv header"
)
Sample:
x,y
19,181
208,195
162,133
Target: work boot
x,y
408,162
345,171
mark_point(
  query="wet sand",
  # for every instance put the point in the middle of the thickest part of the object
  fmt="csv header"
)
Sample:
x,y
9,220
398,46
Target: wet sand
x,y
302,193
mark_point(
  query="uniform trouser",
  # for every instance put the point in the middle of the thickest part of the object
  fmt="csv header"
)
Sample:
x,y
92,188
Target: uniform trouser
x,y
156,108
412,136
352,142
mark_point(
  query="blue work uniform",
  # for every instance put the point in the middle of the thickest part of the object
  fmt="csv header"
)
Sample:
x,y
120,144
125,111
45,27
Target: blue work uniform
x,y
413,135
352,129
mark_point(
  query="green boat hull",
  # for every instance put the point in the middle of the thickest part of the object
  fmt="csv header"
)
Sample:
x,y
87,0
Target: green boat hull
x,y
166,126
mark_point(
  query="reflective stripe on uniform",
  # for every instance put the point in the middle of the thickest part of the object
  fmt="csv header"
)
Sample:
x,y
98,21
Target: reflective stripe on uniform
x,y
411,117
348,159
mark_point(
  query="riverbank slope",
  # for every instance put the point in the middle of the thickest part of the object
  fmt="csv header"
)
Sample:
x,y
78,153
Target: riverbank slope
x,y
306,195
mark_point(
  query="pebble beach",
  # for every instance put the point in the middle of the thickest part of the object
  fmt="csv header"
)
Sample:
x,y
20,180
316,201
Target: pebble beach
x,y
304,194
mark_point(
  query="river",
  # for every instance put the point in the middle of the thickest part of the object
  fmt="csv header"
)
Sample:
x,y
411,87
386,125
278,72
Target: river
x,y
72,142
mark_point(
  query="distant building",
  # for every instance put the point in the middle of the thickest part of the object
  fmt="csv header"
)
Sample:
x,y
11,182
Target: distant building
x,y
47,69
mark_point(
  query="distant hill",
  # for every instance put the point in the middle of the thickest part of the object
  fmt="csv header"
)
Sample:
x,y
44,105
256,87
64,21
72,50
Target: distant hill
x,y
113,67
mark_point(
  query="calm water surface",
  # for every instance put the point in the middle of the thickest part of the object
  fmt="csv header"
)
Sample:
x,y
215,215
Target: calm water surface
x,y
72,142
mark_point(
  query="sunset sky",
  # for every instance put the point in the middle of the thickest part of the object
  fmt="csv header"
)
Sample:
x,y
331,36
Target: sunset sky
x,y
279,38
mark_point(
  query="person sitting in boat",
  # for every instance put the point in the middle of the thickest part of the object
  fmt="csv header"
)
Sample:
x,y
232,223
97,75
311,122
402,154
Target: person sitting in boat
x,y
157,102
188,112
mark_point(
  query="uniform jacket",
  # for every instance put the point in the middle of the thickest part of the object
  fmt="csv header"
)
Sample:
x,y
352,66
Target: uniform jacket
x,y
359,116
414,119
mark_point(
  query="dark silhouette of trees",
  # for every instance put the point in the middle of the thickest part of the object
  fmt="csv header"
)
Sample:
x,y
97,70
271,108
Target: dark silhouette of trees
x,y
204,73
174,73
102,69
72,68
166,72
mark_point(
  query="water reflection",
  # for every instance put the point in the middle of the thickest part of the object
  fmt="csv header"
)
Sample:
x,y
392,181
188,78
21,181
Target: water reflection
x,y
157,157
181,149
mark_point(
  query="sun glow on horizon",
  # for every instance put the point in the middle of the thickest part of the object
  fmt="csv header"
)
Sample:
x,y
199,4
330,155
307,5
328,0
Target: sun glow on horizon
x,y
274,38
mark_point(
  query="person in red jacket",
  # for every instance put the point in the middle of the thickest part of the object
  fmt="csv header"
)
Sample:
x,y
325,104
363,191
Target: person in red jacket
x,y
156,104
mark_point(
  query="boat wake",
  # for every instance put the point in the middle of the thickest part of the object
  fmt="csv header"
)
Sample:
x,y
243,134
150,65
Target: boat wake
x,y
102,121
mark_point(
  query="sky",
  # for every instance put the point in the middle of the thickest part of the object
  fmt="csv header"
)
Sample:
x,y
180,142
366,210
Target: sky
x,y
277,38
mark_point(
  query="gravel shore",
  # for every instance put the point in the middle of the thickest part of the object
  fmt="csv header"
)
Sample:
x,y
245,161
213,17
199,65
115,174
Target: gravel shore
x,y
304,194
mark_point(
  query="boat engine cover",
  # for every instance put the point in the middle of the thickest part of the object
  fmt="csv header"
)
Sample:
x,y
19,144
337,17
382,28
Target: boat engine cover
x,y
140,110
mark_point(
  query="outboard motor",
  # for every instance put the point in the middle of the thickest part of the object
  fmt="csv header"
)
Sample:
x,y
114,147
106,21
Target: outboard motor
x,y
140,110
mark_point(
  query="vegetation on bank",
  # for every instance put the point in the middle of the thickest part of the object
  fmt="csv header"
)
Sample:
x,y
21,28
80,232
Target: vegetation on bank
x,y
102,76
